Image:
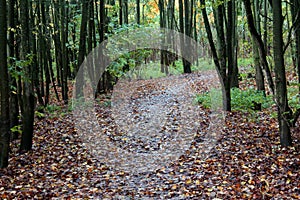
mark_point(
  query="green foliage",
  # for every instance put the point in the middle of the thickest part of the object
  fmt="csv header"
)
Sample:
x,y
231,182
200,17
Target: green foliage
x,y
204,99
16,129
128,60
203,65
124,61
39,114
293,96
207,99
244,62
241,100
148,71
52,108
16,68
178,65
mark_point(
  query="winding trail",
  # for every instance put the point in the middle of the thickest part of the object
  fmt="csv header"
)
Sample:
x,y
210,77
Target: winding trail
x,y
157,121
147,119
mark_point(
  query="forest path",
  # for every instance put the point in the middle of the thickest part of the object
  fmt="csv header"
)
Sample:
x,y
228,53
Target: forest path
x,y
148,116
150,111
243,164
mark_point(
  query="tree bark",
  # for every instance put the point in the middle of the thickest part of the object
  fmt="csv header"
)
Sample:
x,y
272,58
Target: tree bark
x,y
259,43
219,55
14,103
82,46
28,92
188,13
295,11
259,76
280,78
4,90
138,12
64,52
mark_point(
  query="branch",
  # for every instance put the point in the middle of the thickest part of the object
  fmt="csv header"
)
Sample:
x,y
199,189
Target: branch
x,y
210,36
257,39
295,26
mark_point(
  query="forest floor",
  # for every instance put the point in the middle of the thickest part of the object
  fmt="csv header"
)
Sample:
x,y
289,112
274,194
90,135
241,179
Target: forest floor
x,y
237,156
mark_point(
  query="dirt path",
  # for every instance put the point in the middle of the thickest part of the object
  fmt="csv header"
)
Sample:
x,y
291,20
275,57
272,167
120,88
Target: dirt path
x,y
150,111
157,121
147,117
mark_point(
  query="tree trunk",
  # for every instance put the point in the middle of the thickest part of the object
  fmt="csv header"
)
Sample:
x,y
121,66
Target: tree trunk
x,y
219,56
57,41
162,24
125,10
138,12
47,58
4,90
259,43
188,13
235,70
63,35
280,78
14,104
259,76
295,11
28,92
82,46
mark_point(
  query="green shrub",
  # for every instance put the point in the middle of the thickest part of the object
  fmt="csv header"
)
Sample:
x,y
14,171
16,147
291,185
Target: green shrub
x,y
293,95
241,100
204,99
245,100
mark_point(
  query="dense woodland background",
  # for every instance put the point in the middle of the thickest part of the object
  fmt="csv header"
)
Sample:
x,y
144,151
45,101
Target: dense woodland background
x,y
44,42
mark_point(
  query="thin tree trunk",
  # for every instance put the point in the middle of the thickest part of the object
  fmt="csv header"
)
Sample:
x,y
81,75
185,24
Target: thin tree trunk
x,y
47,56
259,43
39,55
221,54
280,79
4,90
28,93
162,23
82,46
188,12
235,70
63,35
259,76
125,10
57,41
14,104
138,12
295,11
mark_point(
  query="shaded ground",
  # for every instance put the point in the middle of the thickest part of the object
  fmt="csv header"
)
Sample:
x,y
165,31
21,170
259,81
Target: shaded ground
x,y
246,162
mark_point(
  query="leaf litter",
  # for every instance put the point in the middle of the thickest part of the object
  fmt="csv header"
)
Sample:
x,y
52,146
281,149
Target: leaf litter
x,y
246,162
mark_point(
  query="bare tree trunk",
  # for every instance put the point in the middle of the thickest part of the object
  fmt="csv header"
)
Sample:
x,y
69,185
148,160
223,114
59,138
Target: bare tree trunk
x,y
28,92
280,78
138,12
259,76
4,90
295,10
63,35
82,46
188,13
235,70
14,103
259,43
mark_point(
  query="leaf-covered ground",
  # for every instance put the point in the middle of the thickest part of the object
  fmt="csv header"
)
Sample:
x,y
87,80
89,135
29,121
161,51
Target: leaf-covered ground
x,y
246,161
